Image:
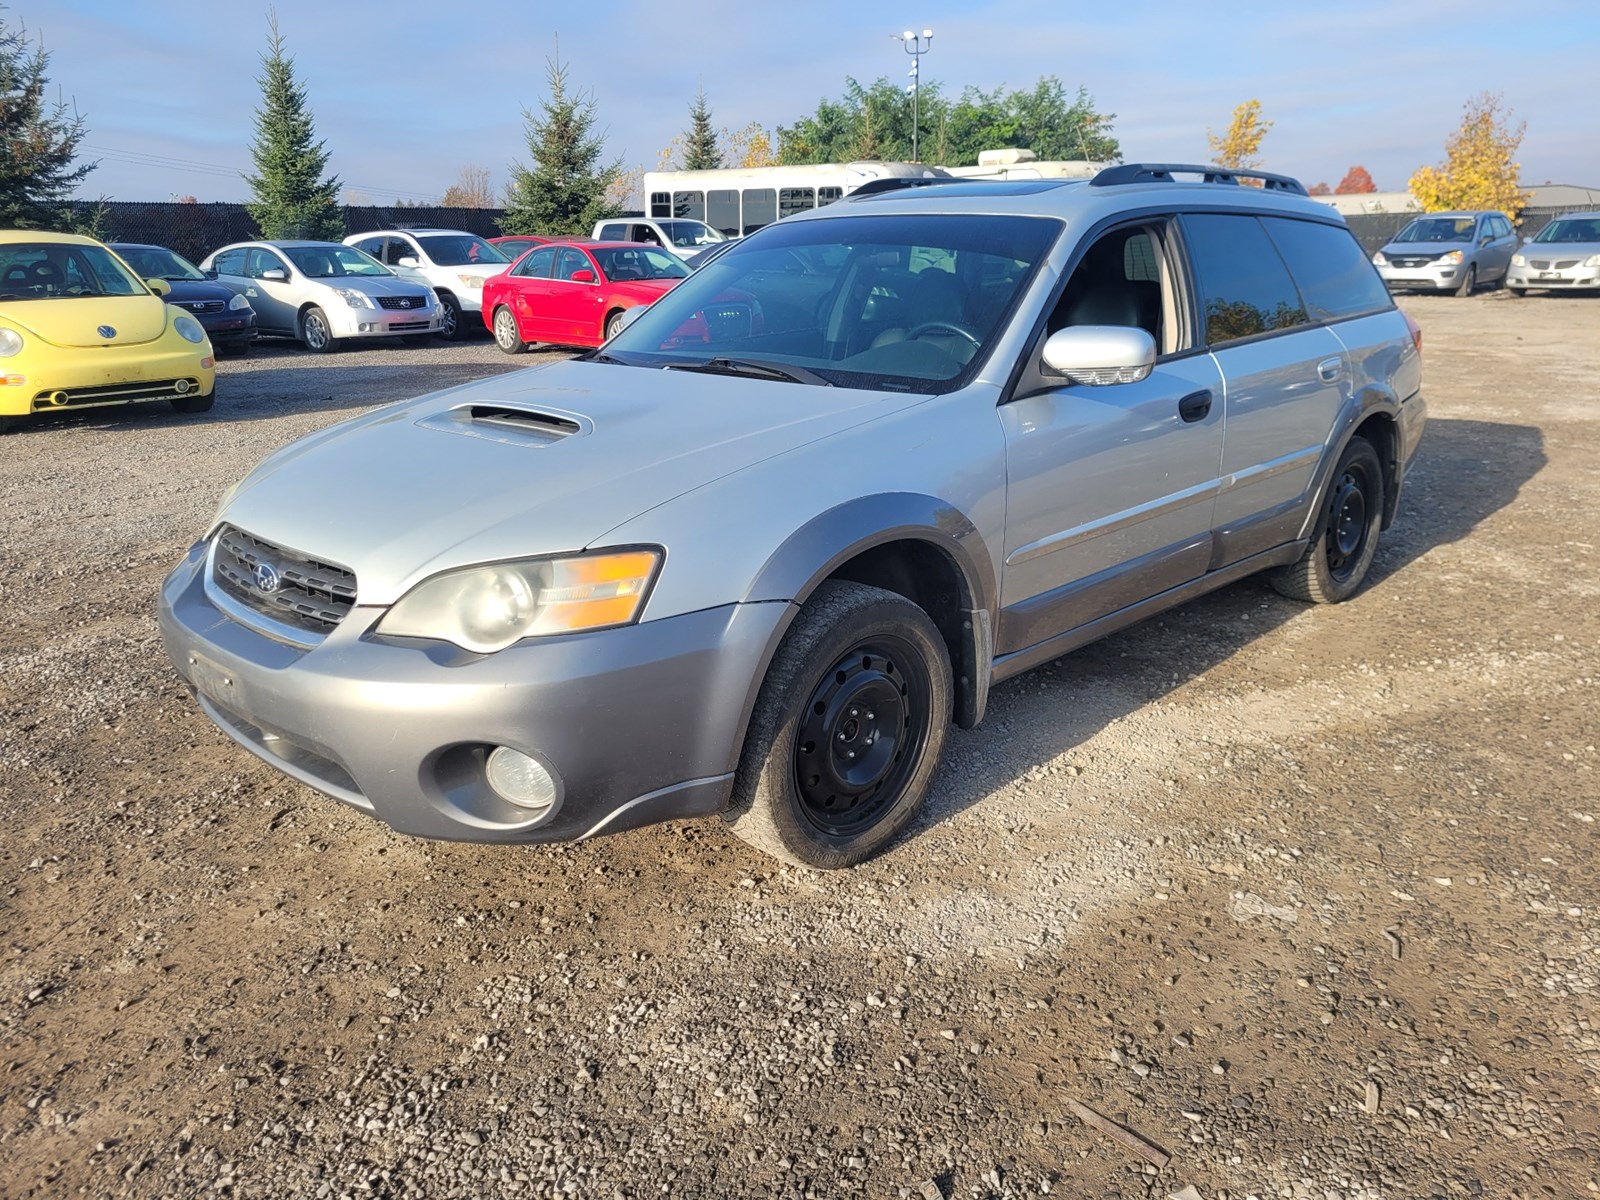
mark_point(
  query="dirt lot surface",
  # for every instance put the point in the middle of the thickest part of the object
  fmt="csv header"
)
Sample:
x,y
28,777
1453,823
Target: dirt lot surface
x,y
1306,897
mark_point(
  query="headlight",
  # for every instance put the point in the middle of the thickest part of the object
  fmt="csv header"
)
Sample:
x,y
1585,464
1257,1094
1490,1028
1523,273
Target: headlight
x,y
1592,261
485,609
10,343
1379,260
238,303
354,298
471,281
189,329
1450,260
1521,260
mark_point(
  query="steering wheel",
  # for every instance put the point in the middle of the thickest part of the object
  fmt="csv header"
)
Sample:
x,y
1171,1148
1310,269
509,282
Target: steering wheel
x,y
945,327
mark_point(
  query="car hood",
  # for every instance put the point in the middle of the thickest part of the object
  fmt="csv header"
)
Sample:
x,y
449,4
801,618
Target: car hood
x,y
70,321
1424,249
371,285
188,291
539,461
1559,250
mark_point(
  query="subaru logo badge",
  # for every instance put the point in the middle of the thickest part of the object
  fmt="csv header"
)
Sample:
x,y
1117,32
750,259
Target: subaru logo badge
x,y
267,578
107,332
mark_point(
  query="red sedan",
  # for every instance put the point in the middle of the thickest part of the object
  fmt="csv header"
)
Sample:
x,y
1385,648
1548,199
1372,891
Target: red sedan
x,y
574,294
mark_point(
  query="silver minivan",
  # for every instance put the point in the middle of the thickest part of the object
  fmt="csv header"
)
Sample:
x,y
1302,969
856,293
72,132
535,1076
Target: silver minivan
x,y
1455,252
757,553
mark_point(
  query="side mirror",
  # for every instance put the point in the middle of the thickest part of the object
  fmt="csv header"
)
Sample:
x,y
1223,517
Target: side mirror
x,y
584,276
209,272
409,260
1101,354
276,274
159,287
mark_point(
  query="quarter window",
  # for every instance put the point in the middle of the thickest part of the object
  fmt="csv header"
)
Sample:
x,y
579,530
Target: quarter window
x,y
1335,276
1245,289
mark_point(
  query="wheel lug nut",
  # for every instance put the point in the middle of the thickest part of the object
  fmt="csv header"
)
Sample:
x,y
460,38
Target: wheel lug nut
x,y
855,712
850,754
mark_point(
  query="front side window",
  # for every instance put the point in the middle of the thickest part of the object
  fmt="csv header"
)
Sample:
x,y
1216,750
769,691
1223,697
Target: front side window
x,y
56,270
459,250
258,262
229,262
571,262
1244,287
1335,276
1122,280
627,263
898,303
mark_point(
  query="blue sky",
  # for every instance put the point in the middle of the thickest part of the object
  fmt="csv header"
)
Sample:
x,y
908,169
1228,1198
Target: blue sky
x,y
407,92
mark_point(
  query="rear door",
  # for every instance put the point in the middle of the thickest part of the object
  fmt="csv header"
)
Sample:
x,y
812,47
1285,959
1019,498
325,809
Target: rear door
x,y
576,304
1284,379
273,299
531,294
1502,246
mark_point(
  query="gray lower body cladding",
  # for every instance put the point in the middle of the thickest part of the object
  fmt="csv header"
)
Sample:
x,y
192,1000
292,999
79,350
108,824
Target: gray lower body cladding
x,y
639,724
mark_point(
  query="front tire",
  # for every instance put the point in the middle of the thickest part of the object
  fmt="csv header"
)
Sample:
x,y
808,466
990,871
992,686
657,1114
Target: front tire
x,y
1519,293
1337,561
317,333
1468,281
452,327
847,730
506,334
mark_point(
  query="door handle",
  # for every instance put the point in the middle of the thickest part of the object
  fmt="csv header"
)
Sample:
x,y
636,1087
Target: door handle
x,y
1329,369
1195,406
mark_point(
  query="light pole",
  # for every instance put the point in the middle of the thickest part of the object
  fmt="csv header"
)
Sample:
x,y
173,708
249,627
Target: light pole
x,y
915,46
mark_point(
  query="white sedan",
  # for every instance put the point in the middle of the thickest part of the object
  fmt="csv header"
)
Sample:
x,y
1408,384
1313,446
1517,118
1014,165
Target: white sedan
x,y
323,292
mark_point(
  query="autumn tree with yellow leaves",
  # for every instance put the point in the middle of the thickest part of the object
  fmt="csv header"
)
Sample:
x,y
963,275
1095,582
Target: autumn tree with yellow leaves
x,y
1479,169
1237,149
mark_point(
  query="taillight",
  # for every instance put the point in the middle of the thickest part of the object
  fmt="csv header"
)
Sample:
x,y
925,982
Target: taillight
x,y
1416,331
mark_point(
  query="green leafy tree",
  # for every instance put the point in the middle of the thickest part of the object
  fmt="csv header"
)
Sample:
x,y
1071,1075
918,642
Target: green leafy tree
x,y
292,197
565,190
700,149
38,140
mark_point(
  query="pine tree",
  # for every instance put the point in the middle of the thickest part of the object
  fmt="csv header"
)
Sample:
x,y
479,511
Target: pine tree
x,y
701,152
38,141
564,192
292,199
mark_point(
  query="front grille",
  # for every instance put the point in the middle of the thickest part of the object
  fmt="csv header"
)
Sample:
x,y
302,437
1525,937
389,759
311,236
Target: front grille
x,y
404,326
303,592
202,307
402,302
1544,264
116,393
1412,260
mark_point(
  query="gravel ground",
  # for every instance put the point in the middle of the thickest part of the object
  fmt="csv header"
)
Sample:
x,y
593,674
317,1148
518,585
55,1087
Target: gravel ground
x,y
1304,897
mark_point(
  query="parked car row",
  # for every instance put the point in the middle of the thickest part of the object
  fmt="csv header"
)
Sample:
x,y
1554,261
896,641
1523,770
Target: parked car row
x,y
1458,252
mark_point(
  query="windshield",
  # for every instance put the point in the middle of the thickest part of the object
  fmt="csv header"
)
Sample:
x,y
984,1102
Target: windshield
x,y
332,261
63,270
690,233
156,262
622,263
899,303
1438,229
1571,229
460,250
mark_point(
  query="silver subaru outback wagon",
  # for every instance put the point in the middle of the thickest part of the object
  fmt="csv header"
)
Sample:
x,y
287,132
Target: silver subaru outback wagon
x,y
754,555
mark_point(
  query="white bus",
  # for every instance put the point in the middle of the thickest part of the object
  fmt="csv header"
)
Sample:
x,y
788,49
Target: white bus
x,y
740,200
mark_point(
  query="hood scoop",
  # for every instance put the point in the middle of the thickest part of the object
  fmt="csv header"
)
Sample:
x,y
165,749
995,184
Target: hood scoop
x,y
509,423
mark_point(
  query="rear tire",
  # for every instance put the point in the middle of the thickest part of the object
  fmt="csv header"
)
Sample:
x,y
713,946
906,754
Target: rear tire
x,y
316,333
7,424
506,334
1338,559
847,731
613,325
193,402
1468,281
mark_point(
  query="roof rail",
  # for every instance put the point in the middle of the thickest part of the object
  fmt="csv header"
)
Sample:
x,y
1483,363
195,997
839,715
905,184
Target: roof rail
x,y
873,186
1163,173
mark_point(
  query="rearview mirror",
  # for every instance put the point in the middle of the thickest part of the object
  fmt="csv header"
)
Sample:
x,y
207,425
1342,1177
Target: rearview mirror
x,y
159,287
276,274
584,276
1101,354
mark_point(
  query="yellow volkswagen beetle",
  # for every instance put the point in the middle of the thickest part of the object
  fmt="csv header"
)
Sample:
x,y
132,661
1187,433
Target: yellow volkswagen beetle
x,y
78,329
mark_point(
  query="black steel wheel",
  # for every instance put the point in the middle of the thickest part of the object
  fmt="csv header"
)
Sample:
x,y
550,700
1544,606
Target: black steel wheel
x,y
1337,561
847,730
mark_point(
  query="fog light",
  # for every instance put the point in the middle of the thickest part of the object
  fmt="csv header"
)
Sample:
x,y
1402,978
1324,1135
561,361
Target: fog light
x,y
520,779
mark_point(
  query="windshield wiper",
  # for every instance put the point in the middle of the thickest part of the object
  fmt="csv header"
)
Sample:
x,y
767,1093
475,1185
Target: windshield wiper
x,y
753,369
601,356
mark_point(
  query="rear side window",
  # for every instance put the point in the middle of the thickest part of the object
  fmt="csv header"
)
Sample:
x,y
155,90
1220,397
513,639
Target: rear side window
x,y
1244,287
1335,276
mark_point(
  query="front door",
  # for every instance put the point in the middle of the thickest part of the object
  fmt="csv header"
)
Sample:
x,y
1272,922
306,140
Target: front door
x,y
1110,489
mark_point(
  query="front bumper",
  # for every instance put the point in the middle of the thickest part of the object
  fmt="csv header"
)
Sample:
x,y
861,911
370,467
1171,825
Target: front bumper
x,y
1430,278
640,724
46,378
383,322
1563,278
229,328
